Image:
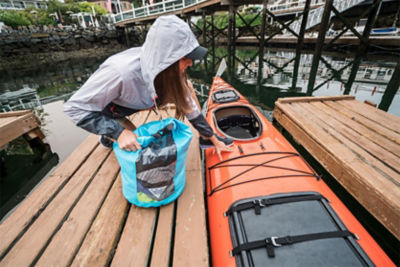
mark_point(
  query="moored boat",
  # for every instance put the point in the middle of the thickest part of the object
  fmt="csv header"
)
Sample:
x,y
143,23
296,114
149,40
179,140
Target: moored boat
x,y
266,206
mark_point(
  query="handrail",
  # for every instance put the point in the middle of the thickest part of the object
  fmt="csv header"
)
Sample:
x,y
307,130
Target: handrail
x,y
315,15
154,9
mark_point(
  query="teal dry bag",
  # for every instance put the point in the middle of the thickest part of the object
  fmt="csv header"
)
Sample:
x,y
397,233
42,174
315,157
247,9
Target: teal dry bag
x,y
155,174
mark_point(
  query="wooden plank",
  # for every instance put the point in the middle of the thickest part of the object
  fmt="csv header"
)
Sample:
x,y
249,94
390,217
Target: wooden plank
x,y
378,202
134,246
386,119
17,127
35,133
15,225
372,135
38,234
146,220
367,151
14,113
67,240
367,122
314,98
5,121
162,241
99,242
191,230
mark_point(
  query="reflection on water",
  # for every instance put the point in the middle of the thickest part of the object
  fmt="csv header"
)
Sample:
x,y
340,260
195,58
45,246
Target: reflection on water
x,y
275,79
23,164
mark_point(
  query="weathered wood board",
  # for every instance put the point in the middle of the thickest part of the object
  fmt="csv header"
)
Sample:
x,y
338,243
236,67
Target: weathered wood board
x,y
356,143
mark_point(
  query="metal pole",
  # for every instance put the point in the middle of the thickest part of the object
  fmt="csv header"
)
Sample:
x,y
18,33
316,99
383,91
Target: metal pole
x,y
204,28
391,89
126,36
262,39
233,37
363,46
323,27
213,41
204,33
230,39
300,42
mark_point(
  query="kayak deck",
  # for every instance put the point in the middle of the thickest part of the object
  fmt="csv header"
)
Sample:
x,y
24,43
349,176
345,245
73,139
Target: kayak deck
x,y
356,143
78,216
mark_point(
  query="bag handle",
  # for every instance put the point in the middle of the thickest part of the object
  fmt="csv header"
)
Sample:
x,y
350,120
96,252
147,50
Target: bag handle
x,y
164,130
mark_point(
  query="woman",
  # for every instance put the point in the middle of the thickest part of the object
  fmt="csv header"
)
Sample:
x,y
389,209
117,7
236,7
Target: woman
x,y
140,78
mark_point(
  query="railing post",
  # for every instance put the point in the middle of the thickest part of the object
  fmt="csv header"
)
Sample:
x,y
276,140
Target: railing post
x,y
323,27
262,41
300,44
391,89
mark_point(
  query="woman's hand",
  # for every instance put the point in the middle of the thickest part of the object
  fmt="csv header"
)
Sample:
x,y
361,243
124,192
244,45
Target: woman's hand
x,y
220,146
127,141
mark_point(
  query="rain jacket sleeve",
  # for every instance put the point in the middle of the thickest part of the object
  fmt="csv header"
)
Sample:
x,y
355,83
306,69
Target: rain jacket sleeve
x,y
86,105
196,118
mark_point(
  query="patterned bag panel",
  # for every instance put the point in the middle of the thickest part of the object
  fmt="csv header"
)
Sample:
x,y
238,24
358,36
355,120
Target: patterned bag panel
x,y
155,175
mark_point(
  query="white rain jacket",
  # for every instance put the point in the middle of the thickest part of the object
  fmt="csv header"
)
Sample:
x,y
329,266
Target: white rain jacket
x,y
127,78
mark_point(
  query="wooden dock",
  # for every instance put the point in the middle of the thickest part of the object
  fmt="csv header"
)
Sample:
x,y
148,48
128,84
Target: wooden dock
x,y
356,143
79,217
18,123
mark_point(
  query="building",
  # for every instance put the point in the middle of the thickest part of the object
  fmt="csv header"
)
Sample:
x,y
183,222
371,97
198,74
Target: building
x,y
21,4
116,5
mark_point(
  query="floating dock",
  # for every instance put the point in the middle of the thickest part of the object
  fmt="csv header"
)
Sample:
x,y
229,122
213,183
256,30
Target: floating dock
x,y
356,143
79,217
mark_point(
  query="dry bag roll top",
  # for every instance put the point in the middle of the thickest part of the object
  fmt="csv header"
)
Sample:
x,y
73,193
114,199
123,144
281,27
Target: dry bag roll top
x,y
155,175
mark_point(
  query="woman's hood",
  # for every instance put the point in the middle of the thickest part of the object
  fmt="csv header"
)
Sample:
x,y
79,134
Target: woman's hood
x,y
168,40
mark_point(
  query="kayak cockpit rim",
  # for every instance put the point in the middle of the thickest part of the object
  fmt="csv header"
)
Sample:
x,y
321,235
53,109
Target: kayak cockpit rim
x,y
238,122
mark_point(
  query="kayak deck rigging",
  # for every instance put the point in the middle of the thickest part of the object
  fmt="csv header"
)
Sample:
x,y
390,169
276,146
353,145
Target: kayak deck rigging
x,y
252,166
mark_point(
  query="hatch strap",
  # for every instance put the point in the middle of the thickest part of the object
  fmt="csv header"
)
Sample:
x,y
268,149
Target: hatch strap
x,y
257,204
270,243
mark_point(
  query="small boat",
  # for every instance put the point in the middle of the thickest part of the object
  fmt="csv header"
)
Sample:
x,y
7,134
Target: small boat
x,y
266,205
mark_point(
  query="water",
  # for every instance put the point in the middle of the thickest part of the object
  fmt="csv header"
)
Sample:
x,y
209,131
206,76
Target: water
x,y
22,167
55,84
372,77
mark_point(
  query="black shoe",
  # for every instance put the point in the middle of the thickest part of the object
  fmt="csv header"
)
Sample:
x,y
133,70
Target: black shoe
x,y
105,141
206,143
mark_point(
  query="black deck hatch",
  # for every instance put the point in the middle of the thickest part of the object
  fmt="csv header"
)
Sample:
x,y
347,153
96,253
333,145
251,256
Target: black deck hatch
x,y
275,222
225,96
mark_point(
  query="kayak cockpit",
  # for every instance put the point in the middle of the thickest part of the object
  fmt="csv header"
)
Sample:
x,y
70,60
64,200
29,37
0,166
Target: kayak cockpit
x,y
238,122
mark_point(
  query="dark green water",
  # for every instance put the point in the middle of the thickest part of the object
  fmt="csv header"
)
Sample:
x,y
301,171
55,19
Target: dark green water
x,y
55,84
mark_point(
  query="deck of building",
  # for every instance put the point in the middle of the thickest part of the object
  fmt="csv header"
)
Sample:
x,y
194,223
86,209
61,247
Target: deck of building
x,y
78,217
356,143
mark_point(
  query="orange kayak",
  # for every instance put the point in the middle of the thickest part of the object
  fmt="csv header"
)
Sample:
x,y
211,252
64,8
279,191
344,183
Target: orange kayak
x,y
266,206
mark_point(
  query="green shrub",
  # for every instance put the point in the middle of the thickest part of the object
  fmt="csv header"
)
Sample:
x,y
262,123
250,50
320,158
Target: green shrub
x,y
14,18
221,20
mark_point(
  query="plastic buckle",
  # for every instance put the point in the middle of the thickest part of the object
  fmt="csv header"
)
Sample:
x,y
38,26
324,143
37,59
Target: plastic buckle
x,y
259,202
273,241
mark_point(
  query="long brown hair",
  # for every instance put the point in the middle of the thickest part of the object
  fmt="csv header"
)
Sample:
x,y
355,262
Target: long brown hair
x,y
171,87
